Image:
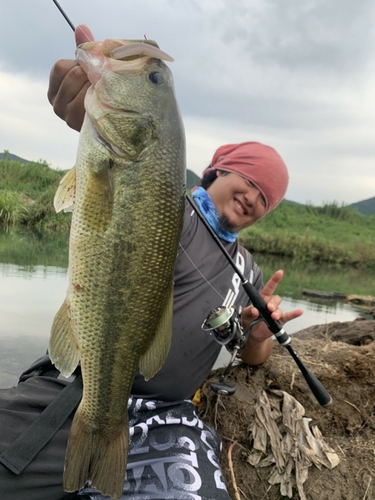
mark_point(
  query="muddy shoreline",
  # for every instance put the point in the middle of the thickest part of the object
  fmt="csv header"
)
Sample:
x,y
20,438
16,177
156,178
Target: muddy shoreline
x,y
342,357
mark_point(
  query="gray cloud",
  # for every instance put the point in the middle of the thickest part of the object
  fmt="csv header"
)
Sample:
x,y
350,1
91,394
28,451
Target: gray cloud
x,y
298,74
315,35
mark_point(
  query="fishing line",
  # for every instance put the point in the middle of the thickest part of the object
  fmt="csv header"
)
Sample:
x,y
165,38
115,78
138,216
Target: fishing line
x,y
199,271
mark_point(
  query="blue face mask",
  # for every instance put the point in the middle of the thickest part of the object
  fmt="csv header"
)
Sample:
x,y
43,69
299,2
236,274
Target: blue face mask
x,y
208,209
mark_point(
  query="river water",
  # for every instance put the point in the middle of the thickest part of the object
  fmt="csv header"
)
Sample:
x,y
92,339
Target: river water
x,y
33,279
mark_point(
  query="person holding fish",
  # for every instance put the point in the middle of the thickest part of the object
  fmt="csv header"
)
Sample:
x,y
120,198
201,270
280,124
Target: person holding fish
x,y
113,332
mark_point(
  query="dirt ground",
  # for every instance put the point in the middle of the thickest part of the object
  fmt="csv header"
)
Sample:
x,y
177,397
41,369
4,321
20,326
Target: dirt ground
x,y
342,357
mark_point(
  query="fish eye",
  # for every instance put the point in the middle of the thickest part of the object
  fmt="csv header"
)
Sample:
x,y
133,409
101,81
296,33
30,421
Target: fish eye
x,y
156,78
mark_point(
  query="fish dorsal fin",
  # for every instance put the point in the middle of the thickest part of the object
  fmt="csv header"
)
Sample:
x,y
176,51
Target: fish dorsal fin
x,y
66,192
63,350
153,359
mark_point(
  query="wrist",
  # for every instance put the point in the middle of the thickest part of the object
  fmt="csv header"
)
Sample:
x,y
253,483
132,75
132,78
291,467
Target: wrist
x,y
257,342
257,351
256,331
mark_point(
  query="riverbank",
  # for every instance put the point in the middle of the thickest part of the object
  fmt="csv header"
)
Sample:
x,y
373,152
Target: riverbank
x,y
330,234
26,196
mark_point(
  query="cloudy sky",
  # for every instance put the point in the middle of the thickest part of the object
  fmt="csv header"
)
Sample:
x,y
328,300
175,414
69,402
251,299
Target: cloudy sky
x,y
298,75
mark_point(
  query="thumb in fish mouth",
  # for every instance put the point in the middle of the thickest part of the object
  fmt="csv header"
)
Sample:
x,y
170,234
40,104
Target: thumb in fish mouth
x,y
83,34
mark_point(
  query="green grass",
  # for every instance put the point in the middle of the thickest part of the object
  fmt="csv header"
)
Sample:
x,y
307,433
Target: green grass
x,y
332,234
26,196
12,208
299,274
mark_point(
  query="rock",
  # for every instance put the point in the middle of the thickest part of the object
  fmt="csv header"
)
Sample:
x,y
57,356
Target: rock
x,y
361,300
358,300
324,295
357,332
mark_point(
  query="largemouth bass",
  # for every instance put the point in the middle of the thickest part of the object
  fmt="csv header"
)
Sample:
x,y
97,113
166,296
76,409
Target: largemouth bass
x,y
129,185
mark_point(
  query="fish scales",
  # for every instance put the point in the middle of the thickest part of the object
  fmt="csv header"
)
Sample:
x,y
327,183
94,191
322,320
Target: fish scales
x,y
129,199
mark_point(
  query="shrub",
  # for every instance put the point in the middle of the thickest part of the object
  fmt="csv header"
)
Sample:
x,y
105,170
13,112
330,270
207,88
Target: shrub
x,y
12,210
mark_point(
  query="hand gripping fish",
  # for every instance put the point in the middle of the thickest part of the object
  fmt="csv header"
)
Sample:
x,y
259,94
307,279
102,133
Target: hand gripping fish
x,y
128,192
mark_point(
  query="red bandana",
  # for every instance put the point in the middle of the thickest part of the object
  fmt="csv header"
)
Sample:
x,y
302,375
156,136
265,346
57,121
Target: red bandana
x,y
261,164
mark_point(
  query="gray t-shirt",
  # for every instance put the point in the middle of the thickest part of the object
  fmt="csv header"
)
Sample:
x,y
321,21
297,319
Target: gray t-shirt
x,y
204,280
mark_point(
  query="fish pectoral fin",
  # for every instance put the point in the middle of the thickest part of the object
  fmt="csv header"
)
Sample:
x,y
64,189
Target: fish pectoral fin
x,y
66,192
63,350
153,359
97,206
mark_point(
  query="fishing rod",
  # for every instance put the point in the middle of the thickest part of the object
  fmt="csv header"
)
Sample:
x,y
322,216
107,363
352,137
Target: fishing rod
x,y
281,335
63,13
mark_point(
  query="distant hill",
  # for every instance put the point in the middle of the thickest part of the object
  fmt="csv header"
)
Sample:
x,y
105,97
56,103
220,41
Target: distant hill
x,y
192,179
9,156
365,207
290,202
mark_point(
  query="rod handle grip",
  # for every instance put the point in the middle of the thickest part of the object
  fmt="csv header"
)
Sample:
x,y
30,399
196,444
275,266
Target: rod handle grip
x,y
261,305
317,388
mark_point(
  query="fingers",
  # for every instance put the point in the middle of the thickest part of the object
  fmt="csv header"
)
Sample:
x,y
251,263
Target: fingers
x,y
288,316
75,110
277,314
67,88
271,285
248,315
251,313
58,73
283,317
83,34
68,84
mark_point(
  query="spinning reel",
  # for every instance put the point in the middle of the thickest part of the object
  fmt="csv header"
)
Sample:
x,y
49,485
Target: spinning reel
x,y
224,324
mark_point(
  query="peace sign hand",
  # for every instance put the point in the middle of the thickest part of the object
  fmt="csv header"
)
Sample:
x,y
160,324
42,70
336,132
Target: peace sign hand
x,y
251,313
259,346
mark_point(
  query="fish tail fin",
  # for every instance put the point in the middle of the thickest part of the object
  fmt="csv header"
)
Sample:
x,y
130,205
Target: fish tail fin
x,y
96,456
